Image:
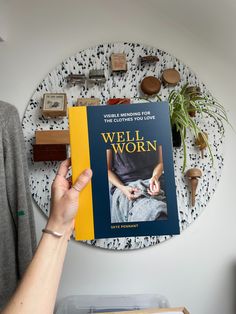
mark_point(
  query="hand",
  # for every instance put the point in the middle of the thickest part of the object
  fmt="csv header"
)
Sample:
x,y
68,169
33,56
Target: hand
x,y
65,199
131,192
154,186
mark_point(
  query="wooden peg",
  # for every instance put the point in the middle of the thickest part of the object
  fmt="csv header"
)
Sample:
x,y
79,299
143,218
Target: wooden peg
x,y
148,59
193,175
88,101
201,142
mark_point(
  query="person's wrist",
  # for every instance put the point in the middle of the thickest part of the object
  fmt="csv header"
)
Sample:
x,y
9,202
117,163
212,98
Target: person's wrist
x,y
58,226
155,177
121,187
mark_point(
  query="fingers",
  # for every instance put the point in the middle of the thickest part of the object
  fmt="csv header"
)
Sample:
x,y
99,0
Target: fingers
x,y
155,191
133,189
133,196
151,186
64,167
133,193
158,187
152,193
82,180
154,186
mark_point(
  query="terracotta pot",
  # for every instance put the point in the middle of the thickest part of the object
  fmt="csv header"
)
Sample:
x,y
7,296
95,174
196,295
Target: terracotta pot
x,y
176,137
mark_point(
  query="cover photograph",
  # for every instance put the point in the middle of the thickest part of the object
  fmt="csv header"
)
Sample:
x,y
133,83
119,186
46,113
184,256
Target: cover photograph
x,y
129,149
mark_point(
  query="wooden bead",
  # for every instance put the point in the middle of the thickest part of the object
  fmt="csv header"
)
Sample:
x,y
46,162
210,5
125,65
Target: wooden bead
x,y
150,85
170,77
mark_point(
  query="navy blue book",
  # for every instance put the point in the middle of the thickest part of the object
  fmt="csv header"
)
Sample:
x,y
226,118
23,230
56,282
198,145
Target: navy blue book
x,y
129,149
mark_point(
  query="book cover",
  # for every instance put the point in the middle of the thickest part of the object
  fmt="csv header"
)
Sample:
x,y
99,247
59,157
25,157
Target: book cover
x,y
129,149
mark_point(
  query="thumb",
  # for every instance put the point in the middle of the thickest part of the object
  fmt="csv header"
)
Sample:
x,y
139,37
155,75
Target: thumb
x,y
82,180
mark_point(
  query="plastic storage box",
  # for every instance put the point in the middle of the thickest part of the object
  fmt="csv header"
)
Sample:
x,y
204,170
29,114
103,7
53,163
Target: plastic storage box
x,y
86,304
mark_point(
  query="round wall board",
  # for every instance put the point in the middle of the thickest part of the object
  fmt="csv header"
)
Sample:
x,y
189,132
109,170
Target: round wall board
x,y
120,85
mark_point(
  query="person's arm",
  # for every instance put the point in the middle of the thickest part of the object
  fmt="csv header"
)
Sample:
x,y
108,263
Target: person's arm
x,y
114,179
37,290
154,186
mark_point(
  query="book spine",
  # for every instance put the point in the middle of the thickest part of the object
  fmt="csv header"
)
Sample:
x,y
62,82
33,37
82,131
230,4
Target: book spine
x,y
80,160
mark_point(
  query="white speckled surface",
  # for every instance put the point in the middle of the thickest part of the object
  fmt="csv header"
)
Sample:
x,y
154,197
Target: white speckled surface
x,y
121,85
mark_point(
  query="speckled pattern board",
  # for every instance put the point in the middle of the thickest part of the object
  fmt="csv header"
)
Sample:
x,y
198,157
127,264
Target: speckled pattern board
x,y
122,85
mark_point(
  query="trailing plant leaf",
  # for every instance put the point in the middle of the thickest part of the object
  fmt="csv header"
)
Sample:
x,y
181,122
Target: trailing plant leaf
x,y
186,101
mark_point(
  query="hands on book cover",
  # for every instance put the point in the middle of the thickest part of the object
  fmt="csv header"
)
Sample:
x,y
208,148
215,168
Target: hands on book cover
x,y
129,149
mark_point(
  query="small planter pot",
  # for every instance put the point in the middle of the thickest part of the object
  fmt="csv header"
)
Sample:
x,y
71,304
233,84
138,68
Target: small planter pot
x,y
176,137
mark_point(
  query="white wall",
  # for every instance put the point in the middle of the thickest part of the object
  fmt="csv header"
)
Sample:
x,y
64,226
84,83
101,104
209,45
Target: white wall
x,y
198,268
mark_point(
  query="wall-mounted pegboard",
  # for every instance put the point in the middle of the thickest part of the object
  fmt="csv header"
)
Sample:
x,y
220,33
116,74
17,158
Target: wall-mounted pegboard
x,y
127,85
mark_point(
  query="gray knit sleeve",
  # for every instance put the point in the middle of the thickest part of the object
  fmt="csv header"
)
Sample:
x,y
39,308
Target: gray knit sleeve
x,y
18,191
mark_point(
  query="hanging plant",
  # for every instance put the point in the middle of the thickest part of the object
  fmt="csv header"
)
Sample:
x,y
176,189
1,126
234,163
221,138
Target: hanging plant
x,y
184,105
187,103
